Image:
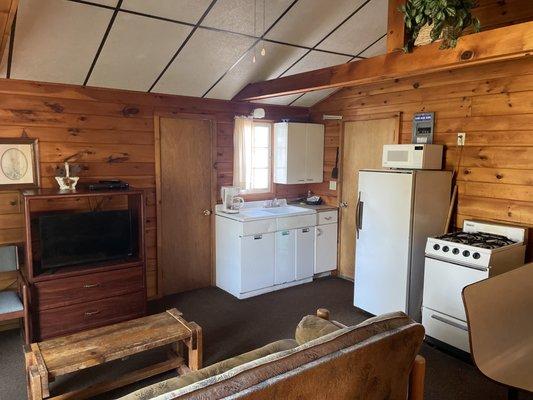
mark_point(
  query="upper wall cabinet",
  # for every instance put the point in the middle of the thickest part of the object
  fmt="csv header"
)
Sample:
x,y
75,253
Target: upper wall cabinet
x,y
298,152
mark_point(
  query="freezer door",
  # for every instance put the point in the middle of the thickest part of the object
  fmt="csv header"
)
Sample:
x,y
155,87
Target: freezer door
x,y
382,247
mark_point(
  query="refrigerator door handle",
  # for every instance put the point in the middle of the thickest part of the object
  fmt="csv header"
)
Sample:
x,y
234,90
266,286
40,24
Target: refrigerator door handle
x,y
358,215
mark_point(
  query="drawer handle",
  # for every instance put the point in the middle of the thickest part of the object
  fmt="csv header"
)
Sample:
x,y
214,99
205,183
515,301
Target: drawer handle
x,y
305,230
91,285
258,237
13,203
285,233
449,322
328,218
301,180
90,313
310,180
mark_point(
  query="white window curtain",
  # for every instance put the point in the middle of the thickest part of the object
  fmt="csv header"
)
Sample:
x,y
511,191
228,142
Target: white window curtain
x,y
242,146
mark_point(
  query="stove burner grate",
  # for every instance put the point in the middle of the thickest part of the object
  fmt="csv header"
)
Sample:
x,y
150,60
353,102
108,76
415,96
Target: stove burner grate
x,y
478,239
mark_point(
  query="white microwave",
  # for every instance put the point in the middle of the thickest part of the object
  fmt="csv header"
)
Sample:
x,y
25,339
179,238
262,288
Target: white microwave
x,y
412,156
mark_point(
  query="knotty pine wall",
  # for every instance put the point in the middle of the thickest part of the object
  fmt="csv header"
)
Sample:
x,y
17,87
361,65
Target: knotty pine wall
x,y
113,132
493,104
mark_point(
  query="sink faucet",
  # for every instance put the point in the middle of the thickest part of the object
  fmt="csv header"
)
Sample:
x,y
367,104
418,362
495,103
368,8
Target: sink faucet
x,y
272,203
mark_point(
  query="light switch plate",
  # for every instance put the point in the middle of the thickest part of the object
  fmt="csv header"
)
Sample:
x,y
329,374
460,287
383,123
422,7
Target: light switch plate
x,y
332,185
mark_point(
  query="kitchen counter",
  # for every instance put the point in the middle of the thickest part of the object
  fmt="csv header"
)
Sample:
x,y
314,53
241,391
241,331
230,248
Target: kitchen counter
x,y
318,208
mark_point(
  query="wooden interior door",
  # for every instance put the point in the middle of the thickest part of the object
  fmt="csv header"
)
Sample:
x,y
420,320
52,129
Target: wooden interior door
x,y
185,195
362,147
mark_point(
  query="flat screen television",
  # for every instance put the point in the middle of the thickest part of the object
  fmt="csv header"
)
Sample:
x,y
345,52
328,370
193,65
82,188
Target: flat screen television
x,y
82,238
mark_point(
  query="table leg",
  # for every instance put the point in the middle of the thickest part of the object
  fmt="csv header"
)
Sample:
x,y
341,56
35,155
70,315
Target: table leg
x,y
195,346
34,384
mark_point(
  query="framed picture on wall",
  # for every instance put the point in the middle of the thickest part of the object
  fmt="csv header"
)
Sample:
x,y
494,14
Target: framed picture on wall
x,y
19,163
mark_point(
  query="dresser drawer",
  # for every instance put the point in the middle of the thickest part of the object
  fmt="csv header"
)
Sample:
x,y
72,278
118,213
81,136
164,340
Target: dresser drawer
x,y
83,288
78,317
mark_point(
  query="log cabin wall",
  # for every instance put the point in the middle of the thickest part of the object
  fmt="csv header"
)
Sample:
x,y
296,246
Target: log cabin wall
x,y
493,104
113,132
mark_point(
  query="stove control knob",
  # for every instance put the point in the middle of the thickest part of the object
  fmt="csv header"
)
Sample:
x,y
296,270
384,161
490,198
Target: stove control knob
x,y
455,250
466,253
436,247
476,256
445,249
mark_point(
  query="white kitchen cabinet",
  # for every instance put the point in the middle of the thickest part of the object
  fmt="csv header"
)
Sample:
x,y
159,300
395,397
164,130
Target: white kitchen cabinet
x,y
257,261
326,248
305,255
285,260
298,153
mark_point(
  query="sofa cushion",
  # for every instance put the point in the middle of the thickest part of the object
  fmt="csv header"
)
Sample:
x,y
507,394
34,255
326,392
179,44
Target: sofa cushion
x,y
178,382
262,371
312,327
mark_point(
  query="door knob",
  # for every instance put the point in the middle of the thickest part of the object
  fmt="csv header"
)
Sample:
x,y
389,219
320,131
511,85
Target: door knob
x,y
207,212
343,204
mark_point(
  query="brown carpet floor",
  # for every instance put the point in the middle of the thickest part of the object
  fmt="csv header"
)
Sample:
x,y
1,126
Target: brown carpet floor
x,y
234,326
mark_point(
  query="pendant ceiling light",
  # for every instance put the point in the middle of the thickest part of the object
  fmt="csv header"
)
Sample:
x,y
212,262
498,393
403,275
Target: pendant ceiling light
x,y
263,50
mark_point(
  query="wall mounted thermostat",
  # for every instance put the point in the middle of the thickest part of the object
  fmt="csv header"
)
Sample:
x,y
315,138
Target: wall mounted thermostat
x,y
423,124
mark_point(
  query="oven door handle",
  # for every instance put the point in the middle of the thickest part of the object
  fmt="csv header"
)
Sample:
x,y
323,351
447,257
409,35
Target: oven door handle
x,y
450,322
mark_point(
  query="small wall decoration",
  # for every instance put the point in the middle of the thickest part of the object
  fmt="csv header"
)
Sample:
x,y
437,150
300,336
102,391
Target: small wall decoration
x,y
19,163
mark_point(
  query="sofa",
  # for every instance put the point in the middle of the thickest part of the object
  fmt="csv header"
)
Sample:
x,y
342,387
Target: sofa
x,y
374,360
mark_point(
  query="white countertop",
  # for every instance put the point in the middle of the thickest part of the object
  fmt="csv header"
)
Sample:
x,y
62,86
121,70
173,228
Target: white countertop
x,y
253,211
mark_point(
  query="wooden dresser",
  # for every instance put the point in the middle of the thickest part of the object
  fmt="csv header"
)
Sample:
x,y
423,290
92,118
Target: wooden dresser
x,y
72,299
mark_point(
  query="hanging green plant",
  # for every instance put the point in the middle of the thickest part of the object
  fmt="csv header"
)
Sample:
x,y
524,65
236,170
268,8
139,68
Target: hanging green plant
x,y
447,19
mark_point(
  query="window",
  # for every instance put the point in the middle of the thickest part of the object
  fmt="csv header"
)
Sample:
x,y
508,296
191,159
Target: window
x,y
252,165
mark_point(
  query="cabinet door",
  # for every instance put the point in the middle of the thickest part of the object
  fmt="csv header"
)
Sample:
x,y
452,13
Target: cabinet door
x,y
326,248
314,153
296,156
257,262
285,265
305,254
280,152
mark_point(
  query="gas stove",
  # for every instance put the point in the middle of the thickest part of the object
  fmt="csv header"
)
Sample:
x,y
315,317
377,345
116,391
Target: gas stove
x,y
477,245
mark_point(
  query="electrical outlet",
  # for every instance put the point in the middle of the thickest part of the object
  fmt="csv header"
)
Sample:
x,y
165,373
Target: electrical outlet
x,y
461,138
332,185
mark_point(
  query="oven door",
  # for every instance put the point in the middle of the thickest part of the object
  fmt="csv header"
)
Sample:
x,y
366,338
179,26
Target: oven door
x,y
444,283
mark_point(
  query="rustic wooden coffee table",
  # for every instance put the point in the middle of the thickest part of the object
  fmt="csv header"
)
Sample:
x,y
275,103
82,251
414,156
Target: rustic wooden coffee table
x,y
59,356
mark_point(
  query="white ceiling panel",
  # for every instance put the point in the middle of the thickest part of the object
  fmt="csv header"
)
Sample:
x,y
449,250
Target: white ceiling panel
x,y
378,48
180,10
310,20
316,60
110,3
277,59
311,98
56,40
202,61
281,101
129,59
238,15
362,29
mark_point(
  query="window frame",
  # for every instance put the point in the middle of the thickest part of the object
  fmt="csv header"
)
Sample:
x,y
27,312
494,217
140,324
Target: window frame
x,y
261,194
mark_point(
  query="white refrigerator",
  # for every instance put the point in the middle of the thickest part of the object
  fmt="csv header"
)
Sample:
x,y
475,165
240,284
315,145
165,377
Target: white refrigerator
x,y
397,210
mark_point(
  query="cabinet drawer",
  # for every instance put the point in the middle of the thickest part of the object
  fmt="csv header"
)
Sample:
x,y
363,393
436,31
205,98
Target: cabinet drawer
x,y
327,217
446,329
78,317
295,222
83,288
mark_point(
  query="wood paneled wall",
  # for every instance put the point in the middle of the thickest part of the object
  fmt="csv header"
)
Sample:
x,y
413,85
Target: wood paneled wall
x,y
493,104
113,132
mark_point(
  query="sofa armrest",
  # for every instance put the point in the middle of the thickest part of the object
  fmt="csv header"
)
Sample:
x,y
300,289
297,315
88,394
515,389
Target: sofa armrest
x,y
416,379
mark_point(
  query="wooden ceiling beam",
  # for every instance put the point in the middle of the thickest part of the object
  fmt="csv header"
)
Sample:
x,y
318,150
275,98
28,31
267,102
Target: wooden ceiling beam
x,y
510,42
395,27
8,9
